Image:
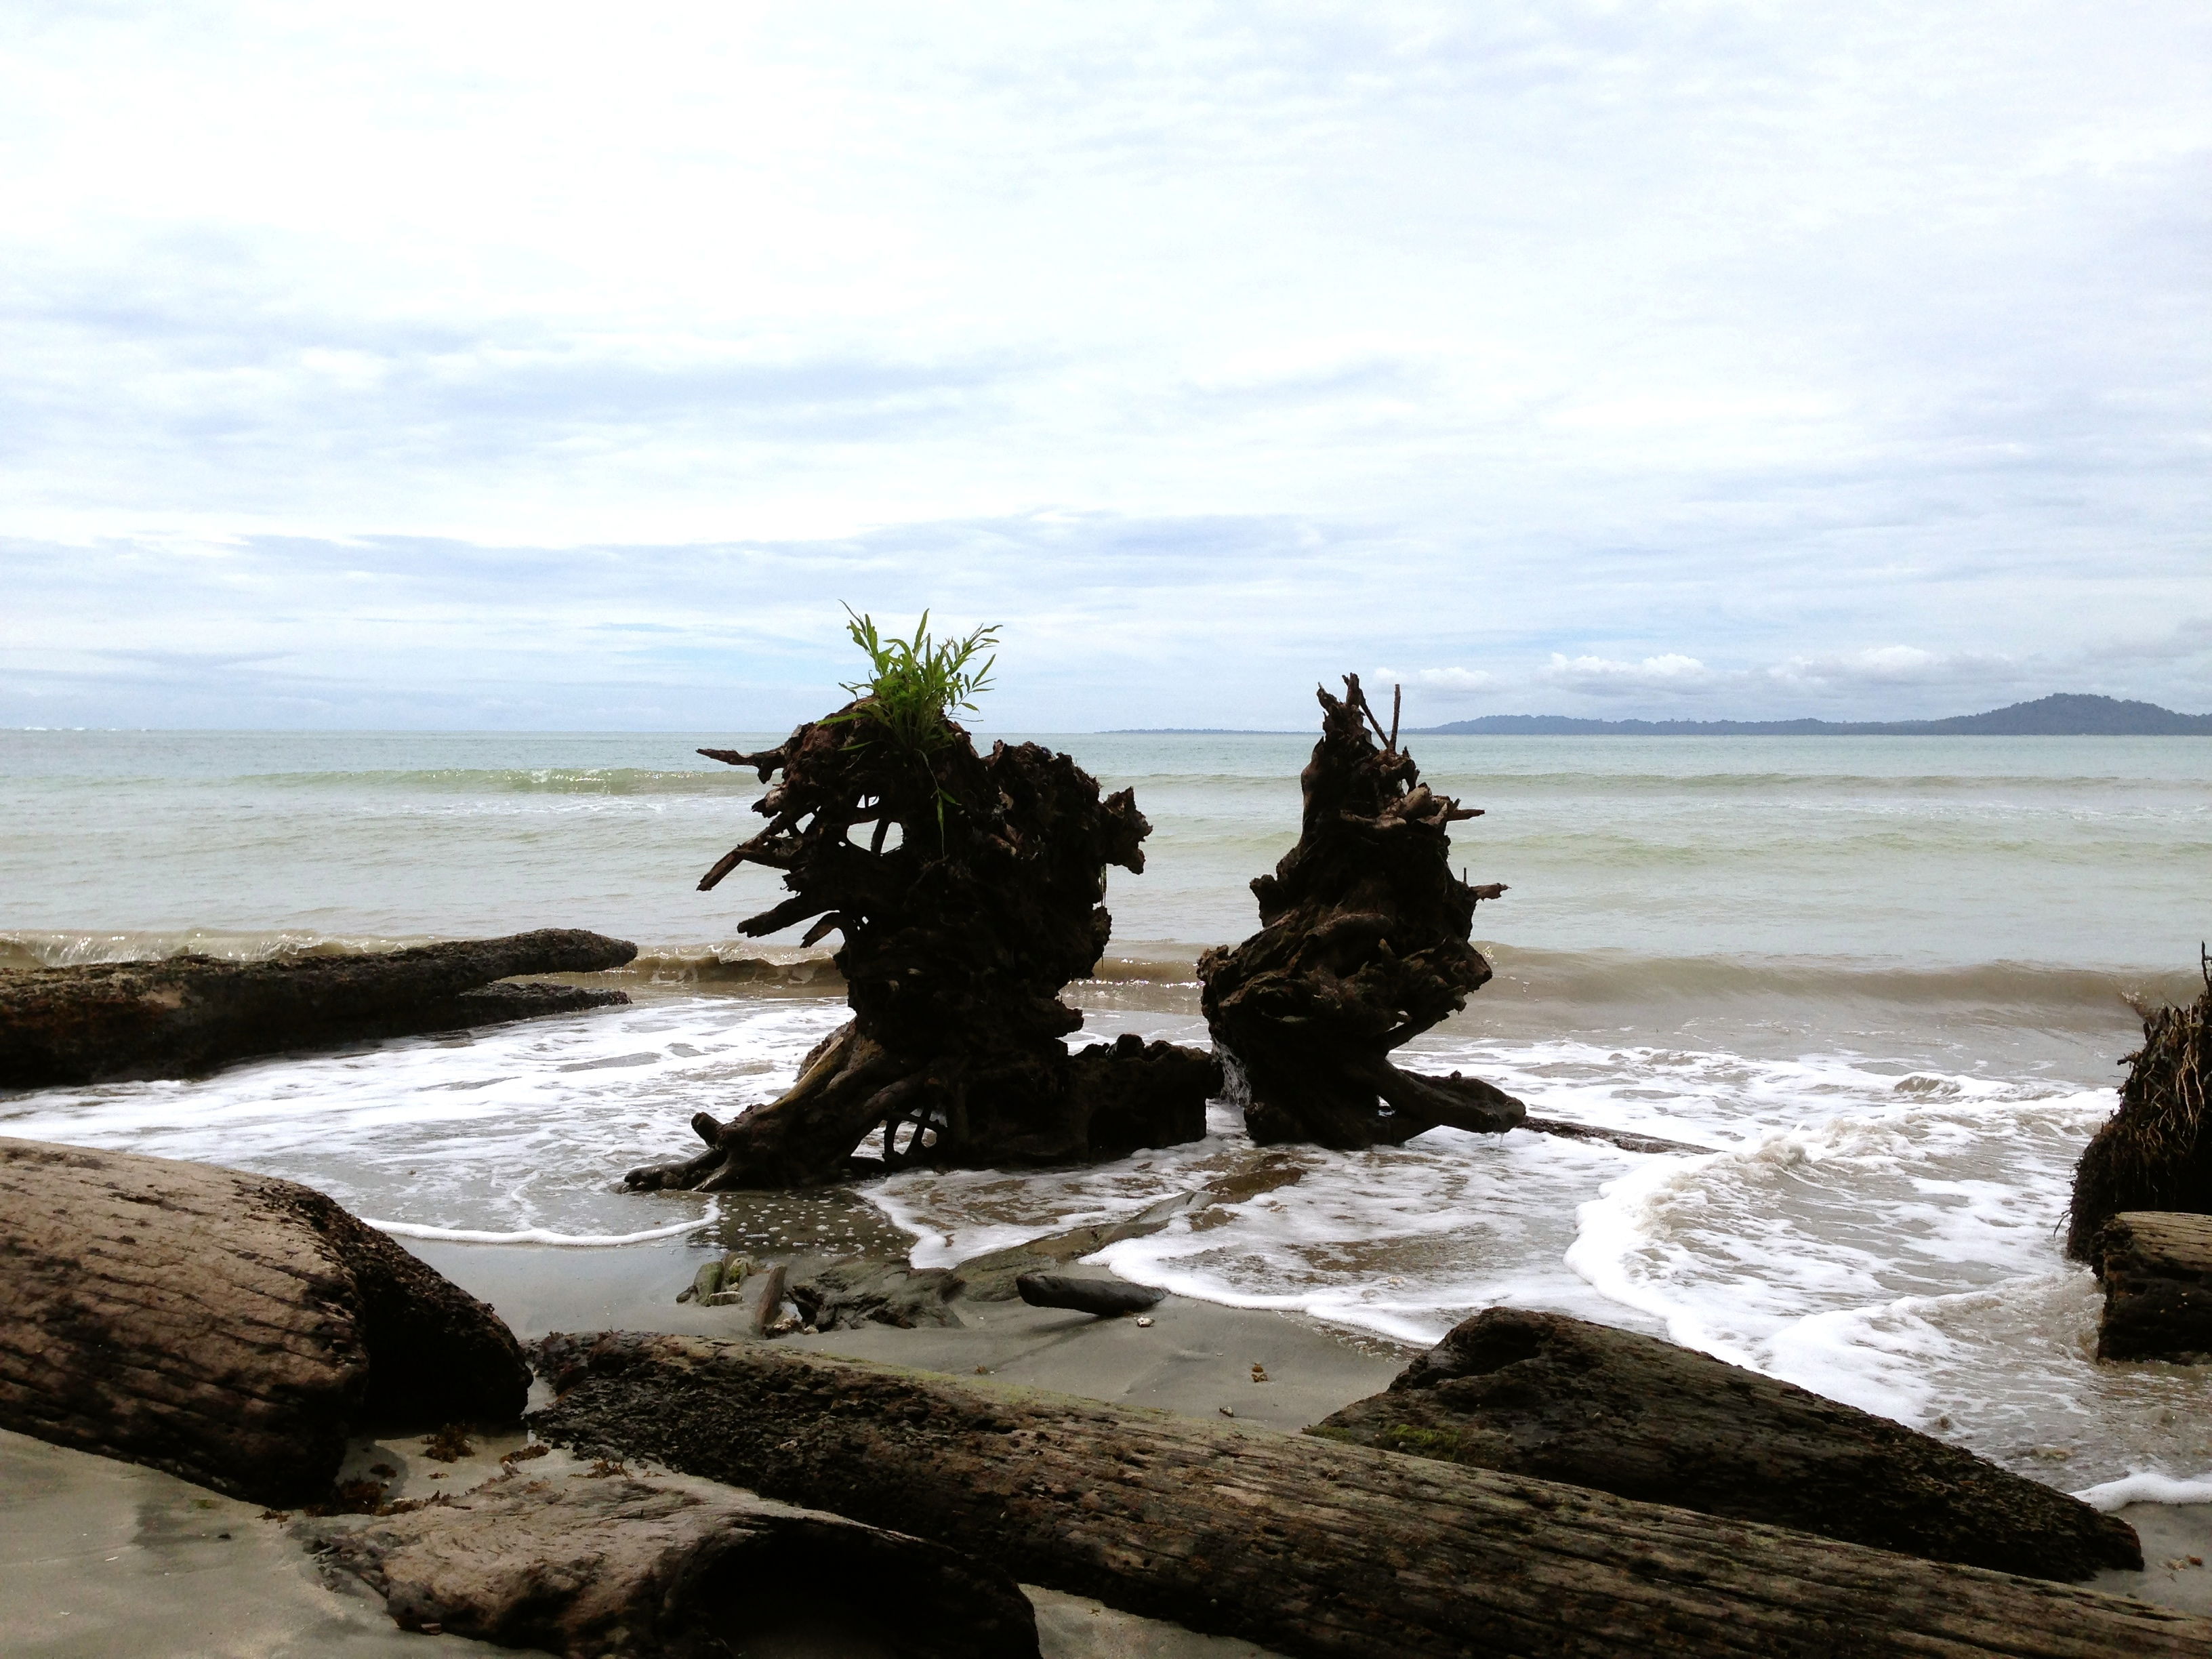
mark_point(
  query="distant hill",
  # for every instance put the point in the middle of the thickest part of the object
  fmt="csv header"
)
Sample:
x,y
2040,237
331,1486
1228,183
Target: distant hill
x,y
2065,714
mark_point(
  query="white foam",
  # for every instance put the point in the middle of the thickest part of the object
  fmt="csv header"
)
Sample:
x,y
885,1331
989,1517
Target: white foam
x,y
533,1234
2146,1486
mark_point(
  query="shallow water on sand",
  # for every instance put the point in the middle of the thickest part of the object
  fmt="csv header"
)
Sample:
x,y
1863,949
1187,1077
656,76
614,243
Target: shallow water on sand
x,y
1883,980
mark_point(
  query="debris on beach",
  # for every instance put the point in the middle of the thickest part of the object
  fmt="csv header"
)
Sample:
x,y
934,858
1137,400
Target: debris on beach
x,y
232,1329
183,1014
1543,1394
966,889
1304,1546
1364,945
1109,1298
2156,1266
2155,1151
606,1562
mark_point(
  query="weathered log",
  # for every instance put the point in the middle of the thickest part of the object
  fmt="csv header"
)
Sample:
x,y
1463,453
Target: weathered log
x,y
229,1328
957,939
2157,1269
1543,1394
2155,1151
1363,946
1109,1298
1301,1545
613,1564
184,1014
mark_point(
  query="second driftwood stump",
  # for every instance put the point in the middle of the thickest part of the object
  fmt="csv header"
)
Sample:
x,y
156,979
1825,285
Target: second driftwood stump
x,y
1363,946
967,888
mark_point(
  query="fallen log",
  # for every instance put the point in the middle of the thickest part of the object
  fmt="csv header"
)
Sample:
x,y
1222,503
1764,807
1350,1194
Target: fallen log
x,y
232,1329
1543,1394
586,1566
2157,1269
1311,1548
186,1014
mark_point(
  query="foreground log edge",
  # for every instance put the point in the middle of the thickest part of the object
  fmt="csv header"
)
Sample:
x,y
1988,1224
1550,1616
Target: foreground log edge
x,y
1309,1548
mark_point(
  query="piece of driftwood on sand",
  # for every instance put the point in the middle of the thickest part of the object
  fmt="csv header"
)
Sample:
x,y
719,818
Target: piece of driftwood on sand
x,y
966,889
1363,946
232,1329
2157,1269
1311,1548
605,1562
1541,1394
184,1014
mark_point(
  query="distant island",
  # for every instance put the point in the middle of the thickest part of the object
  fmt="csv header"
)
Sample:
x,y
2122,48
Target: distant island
x,y
2066,714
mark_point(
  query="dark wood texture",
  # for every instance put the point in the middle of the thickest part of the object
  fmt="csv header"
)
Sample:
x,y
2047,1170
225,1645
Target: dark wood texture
x,y
2157,1269
1303,1546
1541,1393
586,1565
186,1014
229,1328
959,933
1363,946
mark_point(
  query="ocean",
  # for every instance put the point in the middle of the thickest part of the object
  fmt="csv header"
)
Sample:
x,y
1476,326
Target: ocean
x,y
1887,981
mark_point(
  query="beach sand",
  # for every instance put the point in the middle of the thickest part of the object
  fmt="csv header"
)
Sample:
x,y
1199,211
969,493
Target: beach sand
x,y
103,1559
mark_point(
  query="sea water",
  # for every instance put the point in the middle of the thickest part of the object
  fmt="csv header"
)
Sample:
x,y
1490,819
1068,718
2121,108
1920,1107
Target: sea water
x,y
1884,983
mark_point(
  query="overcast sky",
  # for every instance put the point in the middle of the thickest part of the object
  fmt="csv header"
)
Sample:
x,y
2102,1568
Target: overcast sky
x,y
470,365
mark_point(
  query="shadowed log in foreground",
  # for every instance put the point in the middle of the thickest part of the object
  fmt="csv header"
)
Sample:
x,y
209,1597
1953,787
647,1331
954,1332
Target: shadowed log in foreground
x,y
229,1328
1303,1546
584,1565
186,1014
1363,946
2155,1152
1543,1394
967,888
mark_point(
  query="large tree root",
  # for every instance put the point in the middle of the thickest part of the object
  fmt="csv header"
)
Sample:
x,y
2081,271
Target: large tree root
x,y
1318,1550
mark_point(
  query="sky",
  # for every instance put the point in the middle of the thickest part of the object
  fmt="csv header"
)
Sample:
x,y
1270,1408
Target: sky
x,y
485,366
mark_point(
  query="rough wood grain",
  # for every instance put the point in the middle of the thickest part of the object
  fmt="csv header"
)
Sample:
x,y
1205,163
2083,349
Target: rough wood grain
x,y
667,1568
184,1014
1306,1547
229,1328
2157,1269
1541,1394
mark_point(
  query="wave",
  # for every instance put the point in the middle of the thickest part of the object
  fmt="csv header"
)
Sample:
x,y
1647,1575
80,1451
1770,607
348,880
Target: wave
x,y
1593,979
521,780
535,1235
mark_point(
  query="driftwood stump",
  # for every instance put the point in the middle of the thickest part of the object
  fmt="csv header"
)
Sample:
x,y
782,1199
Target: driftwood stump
x,y
1363,946
186,1014
2155,1152
1314,1549
1543,1394
2157,1270
585,1565
966,890
232,1329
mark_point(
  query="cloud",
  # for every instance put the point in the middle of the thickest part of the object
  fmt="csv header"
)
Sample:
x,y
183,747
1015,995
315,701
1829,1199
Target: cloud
x,y
1445,682
1671,673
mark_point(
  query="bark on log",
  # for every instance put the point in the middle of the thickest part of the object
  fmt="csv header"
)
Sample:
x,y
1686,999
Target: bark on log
x,y
2155,1151
1363,946
186,1014
958,938
2157,1269
1303,1546
229,1328
1543,1394
583,1566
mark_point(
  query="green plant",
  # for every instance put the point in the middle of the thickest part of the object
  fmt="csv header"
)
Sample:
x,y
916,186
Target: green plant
x,y
915,687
